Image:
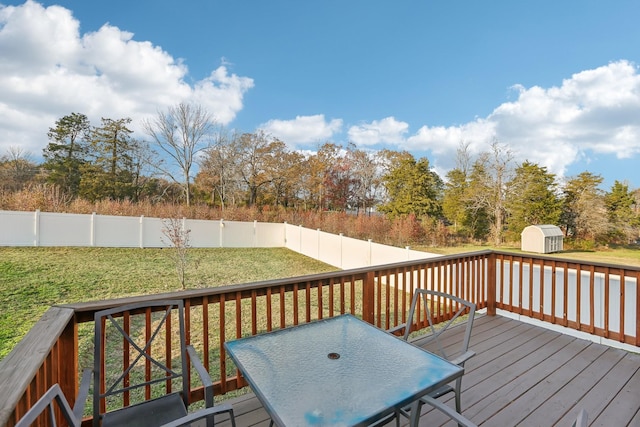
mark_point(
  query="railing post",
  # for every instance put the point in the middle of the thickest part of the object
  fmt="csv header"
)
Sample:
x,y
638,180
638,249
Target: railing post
x,y
68,360
491,284
368,298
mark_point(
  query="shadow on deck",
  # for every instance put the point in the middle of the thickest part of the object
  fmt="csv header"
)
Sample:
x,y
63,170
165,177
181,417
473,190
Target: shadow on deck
x,y
525,375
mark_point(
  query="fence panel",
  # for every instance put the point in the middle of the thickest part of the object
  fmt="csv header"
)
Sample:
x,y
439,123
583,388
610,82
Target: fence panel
x,y
18,228
116,231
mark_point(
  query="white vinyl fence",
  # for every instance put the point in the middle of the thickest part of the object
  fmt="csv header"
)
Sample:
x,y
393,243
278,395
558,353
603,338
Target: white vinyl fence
x,y
60,229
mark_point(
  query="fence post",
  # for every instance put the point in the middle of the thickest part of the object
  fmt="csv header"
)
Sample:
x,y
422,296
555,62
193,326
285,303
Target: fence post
x,y
141,232
491,284
255,233
285,231
92,236
221,232
36,228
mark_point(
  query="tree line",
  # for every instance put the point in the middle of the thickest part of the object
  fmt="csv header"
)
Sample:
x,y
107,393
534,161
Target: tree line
x,y
188,159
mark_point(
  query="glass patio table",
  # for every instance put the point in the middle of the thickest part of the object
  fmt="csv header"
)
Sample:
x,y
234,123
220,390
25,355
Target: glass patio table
x,y
339,371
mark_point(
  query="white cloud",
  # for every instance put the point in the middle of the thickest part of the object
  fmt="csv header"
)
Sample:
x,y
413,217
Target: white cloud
x,y
385,131
49,70
593,112
303,129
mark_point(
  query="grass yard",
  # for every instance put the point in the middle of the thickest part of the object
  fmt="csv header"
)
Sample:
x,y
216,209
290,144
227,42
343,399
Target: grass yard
x,y
33,279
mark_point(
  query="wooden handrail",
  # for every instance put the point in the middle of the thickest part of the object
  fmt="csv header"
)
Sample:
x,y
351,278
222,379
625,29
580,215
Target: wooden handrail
x,y
45,356
528,285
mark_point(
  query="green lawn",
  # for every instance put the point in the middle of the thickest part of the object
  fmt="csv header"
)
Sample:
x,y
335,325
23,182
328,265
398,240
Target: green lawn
x,y
33,279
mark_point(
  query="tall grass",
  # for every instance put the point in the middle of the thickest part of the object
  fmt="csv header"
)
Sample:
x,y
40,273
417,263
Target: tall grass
x,y
399,232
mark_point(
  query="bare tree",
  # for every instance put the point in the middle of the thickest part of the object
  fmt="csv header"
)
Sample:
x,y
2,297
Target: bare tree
x,y
17,168
219,173
490,174
181,133
177,234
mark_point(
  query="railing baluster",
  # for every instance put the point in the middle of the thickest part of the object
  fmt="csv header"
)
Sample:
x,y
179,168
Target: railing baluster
x,y
542,285
168,339
295,305
205,331
222,337
269,310
126,381
147,363
254,315
579,296
283,311
565,302
362,292
320,301
637,339
342,295
531,265
621,304
607,291
307,296
592,275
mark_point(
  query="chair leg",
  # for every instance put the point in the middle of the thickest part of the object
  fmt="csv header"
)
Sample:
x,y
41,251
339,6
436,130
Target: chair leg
x,y
458,392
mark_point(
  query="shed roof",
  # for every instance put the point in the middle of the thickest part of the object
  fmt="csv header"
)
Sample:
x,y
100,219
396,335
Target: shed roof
x,y
547,230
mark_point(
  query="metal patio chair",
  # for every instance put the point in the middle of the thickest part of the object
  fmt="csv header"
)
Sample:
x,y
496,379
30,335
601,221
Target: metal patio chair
x,y
582,420
54,397
441,315
141,368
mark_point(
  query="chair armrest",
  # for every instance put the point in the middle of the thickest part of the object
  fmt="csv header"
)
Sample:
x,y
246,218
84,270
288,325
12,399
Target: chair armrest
x,y
463,357
397,328
83,392
203,374
198,415
461,420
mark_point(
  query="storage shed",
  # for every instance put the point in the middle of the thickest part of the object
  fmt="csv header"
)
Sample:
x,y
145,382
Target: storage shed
x,y
543,239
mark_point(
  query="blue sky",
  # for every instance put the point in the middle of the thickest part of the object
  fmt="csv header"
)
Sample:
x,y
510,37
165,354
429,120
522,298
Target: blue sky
x,y
556,81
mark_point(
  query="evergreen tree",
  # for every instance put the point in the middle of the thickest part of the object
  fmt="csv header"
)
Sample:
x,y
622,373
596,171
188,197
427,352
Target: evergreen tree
x,y
584,215
624,222
112,172
412,188
454,206
531,199
66,152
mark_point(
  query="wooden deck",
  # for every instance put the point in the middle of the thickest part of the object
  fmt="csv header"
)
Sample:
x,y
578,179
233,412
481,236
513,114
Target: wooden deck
x,y
524,375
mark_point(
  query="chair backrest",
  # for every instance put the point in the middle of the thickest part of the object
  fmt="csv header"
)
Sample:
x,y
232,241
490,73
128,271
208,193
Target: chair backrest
x,y
48,402
437,318
140,354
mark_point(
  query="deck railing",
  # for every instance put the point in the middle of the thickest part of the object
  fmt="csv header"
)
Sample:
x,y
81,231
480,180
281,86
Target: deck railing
x,y
600,299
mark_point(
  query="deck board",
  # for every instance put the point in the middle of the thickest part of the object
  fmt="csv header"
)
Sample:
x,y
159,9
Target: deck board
x,y
525,375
